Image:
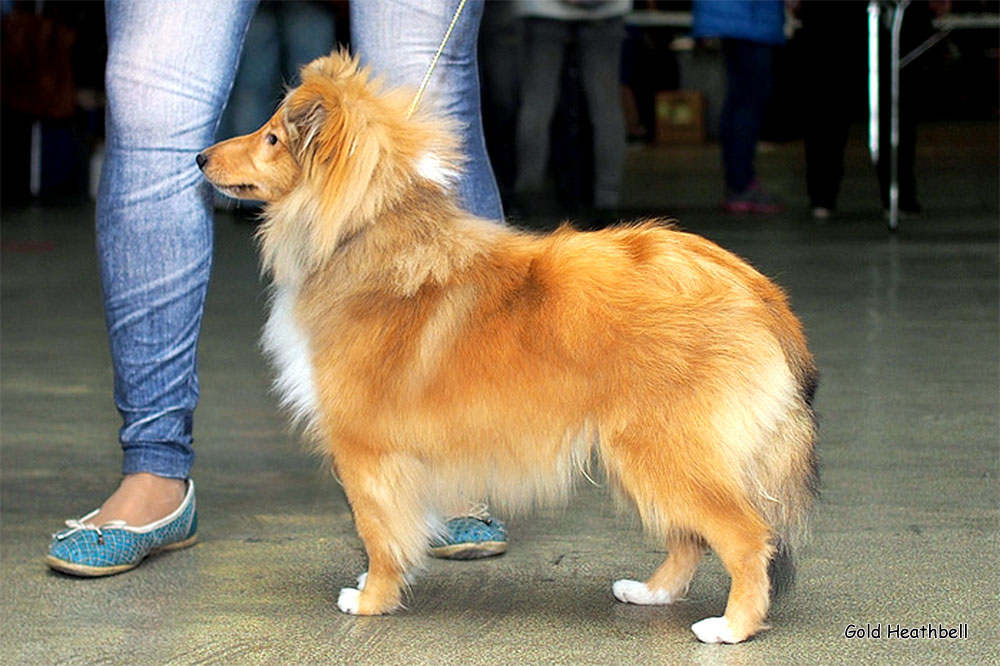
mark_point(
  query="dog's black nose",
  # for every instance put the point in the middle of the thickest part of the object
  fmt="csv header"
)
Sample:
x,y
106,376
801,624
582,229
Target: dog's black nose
x,y
201,159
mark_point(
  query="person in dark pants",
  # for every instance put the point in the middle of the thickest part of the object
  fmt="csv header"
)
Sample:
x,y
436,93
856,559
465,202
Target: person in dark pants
x,y
750,30
597,30
834,38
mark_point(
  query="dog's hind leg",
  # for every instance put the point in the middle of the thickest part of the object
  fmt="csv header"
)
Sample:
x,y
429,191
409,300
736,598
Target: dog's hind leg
x,y
743,542
385,496
670,581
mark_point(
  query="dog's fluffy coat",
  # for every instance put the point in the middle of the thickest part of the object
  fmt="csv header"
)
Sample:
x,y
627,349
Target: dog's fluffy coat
x,y
438,358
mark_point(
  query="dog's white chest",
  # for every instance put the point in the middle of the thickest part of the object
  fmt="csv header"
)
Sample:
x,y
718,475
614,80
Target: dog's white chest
x,y
287,345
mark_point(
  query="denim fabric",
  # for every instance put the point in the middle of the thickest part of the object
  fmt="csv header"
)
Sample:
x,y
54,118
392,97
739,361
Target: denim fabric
x,y
749,77
398,39
170,67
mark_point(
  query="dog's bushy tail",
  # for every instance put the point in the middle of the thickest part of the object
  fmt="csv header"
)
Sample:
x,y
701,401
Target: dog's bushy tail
x,y
781,569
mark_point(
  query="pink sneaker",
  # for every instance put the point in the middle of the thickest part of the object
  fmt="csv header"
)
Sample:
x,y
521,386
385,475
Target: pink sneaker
x,y
753,200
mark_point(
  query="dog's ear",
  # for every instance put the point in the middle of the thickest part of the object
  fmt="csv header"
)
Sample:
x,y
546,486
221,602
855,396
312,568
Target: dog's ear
x,y
337,147
308,108
304,119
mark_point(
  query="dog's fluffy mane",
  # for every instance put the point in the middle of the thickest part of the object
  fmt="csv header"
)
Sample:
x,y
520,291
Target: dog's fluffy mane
x,y
361,156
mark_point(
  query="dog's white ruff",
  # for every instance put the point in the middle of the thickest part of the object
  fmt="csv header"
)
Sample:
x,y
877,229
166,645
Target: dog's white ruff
x,y
288,347
430,167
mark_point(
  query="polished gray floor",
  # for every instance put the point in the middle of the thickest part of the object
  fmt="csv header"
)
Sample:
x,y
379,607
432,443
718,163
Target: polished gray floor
x,y
905,331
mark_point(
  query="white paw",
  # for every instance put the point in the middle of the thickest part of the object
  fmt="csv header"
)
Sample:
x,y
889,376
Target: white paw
x,y
714,630
347,602
362,579
634,592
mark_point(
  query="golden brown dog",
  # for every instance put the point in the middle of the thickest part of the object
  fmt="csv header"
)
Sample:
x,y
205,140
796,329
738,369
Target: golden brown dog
x,y
439,358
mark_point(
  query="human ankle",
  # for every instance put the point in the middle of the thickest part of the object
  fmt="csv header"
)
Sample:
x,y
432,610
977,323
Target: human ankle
x,y
142,499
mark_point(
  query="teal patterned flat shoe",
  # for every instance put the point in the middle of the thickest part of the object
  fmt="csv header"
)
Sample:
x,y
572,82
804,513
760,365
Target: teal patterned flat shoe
x,y
469,537
85,549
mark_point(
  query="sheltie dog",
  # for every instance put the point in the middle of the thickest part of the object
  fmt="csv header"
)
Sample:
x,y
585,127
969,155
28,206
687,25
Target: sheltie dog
x,y
437,358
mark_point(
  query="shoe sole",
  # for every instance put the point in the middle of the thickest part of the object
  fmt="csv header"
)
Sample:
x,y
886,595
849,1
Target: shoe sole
x,y
469,551
86,571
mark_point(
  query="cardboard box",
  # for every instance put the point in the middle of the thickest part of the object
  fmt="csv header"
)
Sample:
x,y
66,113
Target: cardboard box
x,y
680,117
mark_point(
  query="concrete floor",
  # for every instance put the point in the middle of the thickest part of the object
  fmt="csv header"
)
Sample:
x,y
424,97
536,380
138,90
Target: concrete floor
x,y
905,330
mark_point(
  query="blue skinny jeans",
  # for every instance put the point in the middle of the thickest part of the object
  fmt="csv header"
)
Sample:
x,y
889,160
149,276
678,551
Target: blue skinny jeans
x,y
169,72
749,81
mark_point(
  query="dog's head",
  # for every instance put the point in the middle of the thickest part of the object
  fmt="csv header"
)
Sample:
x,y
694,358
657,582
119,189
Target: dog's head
x,y
339,151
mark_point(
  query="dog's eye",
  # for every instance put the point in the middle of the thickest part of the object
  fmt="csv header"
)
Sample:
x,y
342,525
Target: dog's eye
x,y
271,139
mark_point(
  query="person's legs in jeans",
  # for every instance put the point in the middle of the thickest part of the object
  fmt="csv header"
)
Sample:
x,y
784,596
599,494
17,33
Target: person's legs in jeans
x,y
600,45
748,88
169,70
398,39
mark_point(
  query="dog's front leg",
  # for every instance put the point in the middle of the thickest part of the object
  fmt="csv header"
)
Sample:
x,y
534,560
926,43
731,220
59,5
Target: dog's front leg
x,y
385,492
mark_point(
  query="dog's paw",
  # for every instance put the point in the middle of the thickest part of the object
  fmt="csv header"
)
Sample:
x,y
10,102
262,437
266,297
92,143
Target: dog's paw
x,y
714,630
634,592
409,578
347,602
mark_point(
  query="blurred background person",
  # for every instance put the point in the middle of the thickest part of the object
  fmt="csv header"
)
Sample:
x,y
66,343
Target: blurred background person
x,y
596,30
834,37
750,31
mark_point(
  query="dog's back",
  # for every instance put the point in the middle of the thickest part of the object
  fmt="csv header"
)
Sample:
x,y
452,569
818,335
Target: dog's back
x,y
667,346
